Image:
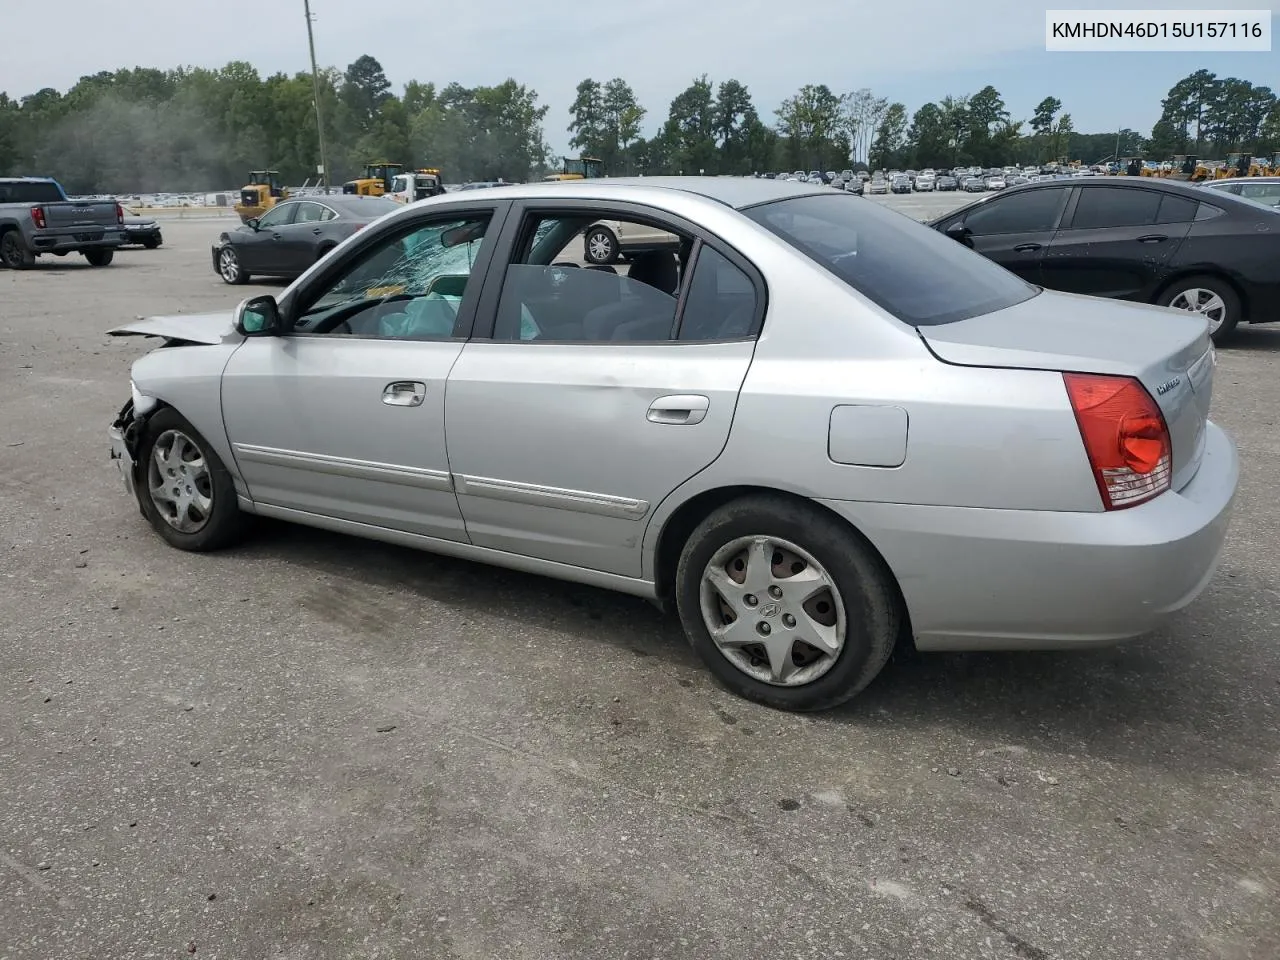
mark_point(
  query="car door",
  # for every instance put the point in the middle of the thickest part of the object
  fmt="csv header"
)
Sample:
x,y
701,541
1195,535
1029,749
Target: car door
x,y
1015,230
260,250
299,237
592,397
1117,241
343,416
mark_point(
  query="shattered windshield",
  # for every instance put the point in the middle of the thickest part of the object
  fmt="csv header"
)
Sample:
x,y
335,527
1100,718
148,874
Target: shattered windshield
x,y
405,266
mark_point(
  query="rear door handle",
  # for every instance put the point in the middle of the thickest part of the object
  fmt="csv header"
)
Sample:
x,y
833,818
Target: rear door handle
x,y
405,393
316,230
275,236
680,408
1026,247
1153,238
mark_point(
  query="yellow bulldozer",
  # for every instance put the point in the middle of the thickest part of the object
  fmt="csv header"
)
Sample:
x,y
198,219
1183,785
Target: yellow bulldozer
x,y
261,194
1186,166
580,168
377,179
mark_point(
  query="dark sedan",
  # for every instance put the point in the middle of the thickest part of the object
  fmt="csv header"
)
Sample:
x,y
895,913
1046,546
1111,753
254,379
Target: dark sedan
x,y
291,236
143,231
1153,241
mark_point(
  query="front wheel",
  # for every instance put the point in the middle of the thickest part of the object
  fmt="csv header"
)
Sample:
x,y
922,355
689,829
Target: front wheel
x,y
601,246
784,605
185,491
1211,298
229,267
151,242
100,257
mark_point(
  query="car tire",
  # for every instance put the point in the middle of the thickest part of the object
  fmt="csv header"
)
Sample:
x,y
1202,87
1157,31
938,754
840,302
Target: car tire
x,y
151,242
13,252
860,601
324,251
229,267
212,518
99,258
600,246
1210,296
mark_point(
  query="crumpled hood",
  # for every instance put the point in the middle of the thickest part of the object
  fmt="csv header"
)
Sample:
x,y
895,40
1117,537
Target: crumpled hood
x,y
207,328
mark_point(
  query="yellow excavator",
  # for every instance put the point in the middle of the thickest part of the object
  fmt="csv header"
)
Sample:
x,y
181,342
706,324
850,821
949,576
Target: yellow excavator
x,y
579,168
1186,167
377,179
1238,165
261,194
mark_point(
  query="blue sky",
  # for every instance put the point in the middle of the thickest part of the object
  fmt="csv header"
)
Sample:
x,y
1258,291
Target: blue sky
x,y
913,52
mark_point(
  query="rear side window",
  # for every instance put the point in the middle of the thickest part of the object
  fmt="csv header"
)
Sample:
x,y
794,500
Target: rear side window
x,y
38,192
1100,207
1175,209
914,272
721,303
1033,211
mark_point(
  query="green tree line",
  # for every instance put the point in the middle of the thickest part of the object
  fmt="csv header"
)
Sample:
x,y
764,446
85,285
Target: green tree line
x,y
145,129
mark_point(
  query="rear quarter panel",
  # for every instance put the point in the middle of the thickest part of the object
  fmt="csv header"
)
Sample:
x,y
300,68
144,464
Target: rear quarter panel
x,y
1246,250
976,437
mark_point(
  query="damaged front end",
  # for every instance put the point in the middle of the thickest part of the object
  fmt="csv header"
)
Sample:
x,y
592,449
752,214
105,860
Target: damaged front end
x,y
126,437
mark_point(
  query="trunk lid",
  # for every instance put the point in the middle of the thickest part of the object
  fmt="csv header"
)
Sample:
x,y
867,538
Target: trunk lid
x,y
205,328
71,214
1169,351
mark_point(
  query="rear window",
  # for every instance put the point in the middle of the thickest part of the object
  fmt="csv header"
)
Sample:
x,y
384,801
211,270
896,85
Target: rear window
x,y
914,272
38,192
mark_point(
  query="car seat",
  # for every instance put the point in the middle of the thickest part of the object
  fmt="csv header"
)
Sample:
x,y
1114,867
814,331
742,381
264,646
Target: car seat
x,y
643,314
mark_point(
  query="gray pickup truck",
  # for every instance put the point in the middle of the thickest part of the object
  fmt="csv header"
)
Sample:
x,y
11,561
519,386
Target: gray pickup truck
x,y
36,217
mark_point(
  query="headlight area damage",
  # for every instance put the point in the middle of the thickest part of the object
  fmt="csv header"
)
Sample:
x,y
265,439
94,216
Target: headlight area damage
x,y
126,433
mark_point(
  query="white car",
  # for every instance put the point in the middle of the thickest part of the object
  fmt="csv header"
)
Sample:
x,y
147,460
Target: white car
x,y
996,183
608,241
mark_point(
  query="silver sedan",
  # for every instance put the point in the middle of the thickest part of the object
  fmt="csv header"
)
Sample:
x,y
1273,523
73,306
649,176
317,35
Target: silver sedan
x,y
814,429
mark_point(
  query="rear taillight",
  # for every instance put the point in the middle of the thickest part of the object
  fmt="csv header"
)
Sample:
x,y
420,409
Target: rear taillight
x,y
119,215
37,217
361,226
1124,435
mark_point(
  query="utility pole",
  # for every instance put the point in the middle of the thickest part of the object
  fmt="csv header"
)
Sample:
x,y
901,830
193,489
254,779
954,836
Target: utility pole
x,y
315,79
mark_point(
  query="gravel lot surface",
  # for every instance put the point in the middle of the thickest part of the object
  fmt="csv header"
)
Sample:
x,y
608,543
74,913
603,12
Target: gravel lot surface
x,y
313,746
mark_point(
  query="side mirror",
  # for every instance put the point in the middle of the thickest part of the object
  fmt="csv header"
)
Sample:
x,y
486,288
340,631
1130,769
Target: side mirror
x,y
258,317
960,233
252,223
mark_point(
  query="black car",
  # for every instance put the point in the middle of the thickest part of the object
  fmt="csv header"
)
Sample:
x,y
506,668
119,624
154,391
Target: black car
x,y
293,235
143,231
1153,241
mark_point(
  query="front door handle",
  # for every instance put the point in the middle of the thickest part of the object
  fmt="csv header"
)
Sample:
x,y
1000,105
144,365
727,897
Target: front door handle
x,y
680,408
1153,238
316,230
405,393
1026,247
275,236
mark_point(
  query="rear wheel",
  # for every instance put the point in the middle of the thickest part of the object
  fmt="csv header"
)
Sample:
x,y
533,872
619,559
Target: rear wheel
x,y
100,257
184,489
784,605
229,266
1211,298
13,252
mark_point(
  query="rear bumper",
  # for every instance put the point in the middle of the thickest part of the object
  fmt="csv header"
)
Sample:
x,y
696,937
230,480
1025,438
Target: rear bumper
x,y
978,579
44,241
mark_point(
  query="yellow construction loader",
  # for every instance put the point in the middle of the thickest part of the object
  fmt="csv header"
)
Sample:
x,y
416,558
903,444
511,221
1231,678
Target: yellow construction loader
x,y
261,194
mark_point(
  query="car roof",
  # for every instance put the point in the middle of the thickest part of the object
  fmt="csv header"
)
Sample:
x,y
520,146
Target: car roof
x,y
735,192
1267,179
344,203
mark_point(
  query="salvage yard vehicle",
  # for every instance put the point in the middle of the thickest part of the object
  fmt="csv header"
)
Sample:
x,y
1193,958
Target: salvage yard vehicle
x,y
260,194
816,429
379,175
1262,189
612,240
293,235
416,185
36,218
1152,240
